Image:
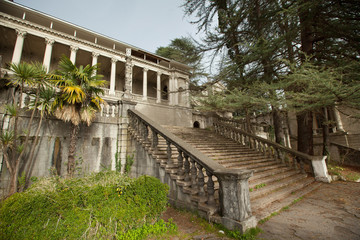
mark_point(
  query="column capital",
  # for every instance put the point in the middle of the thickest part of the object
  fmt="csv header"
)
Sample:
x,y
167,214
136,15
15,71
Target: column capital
x,y
49,41
113,60
128,52
74,48
159,74
20,32
145,69
95,54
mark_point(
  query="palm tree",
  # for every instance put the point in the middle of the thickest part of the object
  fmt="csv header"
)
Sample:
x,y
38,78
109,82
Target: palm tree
x,y
78,100
22,75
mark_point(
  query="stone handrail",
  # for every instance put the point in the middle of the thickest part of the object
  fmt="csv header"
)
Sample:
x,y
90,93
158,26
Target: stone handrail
x,y
290,157
191,164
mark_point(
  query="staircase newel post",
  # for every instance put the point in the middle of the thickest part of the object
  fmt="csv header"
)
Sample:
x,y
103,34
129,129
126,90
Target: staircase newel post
x,y
234,199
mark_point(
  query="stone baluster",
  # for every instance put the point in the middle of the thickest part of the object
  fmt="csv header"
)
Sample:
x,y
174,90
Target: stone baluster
x,y
193,174
180,163
186,168
200,180
295,163
302,169
155,140
169,153
146,133
210,189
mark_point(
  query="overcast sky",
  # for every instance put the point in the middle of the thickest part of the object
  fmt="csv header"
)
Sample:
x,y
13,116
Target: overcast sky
x,y
147,24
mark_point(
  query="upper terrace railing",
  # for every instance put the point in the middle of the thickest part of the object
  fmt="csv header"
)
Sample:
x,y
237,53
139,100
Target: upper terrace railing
x,y
288,156
190,167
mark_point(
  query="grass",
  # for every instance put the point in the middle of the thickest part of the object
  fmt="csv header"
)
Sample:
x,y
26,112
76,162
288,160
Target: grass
x,y
345,172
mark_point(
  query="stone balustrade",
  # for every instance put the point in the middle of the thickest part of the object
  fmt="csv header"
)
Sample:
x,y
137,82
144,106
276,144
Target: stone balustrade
x,y
315,165
195,174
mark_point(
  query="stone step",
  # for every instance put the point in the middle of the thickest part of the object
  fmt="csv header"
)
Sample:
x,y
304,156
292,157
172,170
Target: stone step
x,y
262,203
242,162
267,188
241,158
223,152
276,206
271,178
270,173
256,167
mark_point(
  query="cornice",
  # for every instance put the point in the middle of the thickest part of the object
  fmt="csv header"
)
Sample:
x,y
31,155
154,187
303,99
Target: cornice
x,y
53,32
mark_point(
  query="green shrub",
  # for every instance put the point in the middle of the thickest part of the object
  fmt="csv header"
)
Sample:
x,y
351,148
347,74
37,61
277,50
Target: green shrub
x,y
105,205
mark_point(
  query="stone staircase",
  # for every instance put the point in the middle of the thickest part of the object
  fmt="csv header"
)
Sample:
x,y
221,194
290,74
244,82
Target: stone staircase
x,y
273,186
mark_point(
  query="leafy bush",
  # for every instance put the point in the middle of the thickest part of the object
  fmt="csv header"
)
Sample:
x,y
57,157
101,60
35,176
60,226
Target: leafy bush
x,y
105,205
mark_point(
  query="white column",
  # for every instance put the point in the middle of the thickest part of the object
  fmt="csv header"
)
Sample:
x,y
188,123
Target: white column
x,y
339,124
95,56
171,89
48,50
18,46
73,50
158,88
176,91
145,70
187,95
113,76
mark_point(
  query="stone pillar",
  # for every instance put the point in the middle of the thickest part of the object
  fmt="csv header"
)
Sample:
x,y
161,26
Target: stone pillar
x,y
158,88
73,50
128,73
112,76
234,199
187,93
176,91
339,124
95,56
18,46
47,55
145,70
171,89
320,169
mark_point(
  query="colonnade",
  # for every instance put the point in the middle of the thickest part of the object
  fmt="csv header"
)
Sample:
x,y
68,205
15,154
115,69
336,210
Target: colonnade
x,y
127,59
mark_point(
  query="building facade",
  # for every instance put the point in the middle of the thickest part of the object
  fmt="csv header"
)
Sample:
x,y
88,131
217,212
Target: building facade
x,y
156,86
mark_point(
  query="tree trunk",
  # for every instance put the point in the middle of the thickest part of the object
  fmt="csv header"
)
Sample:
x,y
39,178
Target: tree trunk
x,y
325,128
72,148
278,126
305,120
305,132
